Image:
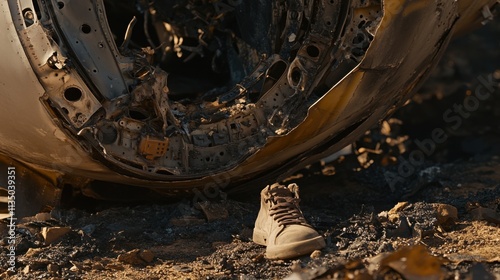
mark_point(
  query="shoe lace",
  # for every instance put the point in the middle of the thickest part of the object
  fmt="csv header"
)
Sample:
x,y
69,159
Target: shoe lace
x,y
285,210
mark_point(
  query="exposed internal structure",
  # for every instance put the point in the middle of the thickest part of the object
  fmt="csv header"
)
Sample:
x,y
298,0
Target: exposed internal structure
x,y
195,86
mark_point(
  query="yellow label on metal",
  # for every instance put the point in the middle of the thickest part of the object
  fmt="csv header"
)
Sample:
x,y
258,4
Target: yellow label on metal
x,y
153,148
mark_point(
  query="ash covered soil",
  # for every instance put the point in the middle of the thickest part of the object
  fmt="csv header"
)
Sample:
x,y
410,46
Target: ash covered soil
x,y
418,199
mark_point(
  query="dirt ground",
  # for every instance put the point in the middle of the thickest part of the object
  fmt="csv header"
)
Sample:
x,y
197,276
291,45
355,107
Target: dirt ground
x,y
418,199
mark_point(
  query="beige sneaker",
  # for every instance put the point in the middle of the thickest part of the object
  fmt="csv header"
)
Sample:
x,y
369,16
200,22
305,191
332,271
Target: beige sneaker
x,y
281,226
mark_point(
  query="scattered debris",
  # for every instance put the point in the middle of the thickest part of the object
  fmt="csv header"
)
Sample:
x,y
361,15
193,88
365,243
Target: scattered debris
x,y
418,219
351,226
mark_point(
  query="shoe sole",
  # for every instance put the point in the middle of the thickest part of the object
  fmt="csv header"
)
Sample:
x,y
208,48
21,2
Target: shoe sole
x,y
290,250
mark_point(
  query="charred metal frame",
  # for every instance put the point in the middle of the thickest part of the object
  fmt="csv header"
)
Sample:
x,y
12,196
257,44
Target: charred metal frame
x,y
126,116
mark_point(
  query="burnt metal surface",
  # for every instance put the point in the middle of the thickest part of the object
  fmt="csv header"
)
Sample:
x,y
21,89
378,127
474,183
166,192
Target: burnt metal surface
x,y
207,94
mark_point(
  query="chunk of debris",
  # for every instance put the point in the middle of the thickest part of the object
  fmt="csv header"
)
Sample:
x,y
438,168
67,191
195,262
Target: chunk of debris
x,y
485,214
213,211
131,257
42,217
316,254
393,214
147,256
52,234
446,215
76,266
402,229
416,219
32,252
26,269
136,257
414,263
383,216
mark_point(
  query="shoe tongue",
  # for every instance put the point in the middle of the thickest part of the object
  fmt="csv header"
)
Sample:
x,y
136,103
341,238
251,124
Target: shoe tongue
x,y
280,191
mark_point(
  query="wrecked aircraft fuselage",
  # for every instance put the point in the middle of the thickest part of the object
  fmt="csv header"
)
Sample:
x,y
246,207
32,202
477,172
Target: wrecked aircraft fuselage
x,y
186,94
